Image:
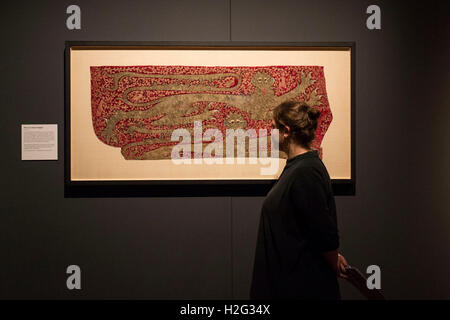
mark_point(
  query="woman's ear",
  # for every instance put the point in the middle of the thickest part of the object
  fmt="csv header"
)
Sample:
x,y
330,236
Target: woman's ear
x,y
288,130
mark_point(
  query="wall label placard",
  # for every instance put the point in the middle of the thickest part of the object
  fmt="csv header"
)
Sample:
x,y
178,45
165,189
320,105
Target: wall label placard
x,y
39,142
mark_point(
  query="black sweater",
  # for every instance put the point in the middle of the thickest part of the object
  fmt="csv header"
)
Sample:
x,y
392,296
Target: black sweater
x,y
298,223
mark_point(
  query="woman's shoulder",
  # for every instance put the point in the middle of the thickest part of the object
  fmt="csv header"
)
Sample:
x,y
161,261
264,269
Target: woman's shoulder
x,y
307,165
309,170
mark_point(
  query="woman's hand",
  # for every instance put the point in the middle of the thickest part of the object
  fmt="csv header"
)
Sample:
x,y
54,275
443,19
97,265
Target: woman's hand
x,y
337,262
341,266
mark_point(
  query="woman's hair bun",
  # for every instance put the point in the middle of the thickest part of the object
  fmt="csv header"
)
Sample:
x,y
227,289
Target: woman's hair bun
x,y
301,118
313,113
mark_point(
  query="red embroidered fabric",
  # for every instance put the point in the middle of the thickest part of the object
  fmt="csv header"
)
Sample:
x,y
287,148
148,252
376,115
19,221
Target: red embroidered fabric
x,y
137,107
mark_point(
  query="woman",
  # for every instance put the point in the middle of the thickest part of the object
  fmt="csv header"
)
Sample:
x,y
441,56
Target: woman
x,y
296,252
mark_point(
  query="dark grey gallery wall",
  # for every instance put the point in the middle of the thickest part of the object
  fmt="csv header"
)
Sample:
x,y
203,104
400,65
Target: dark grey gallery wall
x,y
203,247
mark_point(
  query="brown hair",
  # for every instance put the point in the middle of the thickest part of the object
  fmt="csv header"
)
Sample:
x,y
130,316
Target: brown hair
x,y
300,118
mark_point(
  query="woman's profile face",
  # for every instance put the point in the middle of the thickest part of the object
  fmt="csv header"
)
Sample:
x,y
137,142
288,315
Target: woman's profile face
x,y
282,141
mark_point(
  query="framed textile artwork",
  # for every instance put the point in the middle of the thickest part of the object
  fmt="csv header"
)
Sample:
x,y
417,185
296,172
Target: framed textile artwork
x,y
163,118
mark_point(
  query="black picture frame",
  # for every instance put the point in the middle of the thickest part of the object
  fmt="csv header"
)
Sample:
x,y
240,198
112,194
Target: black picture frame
x,y
189,188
